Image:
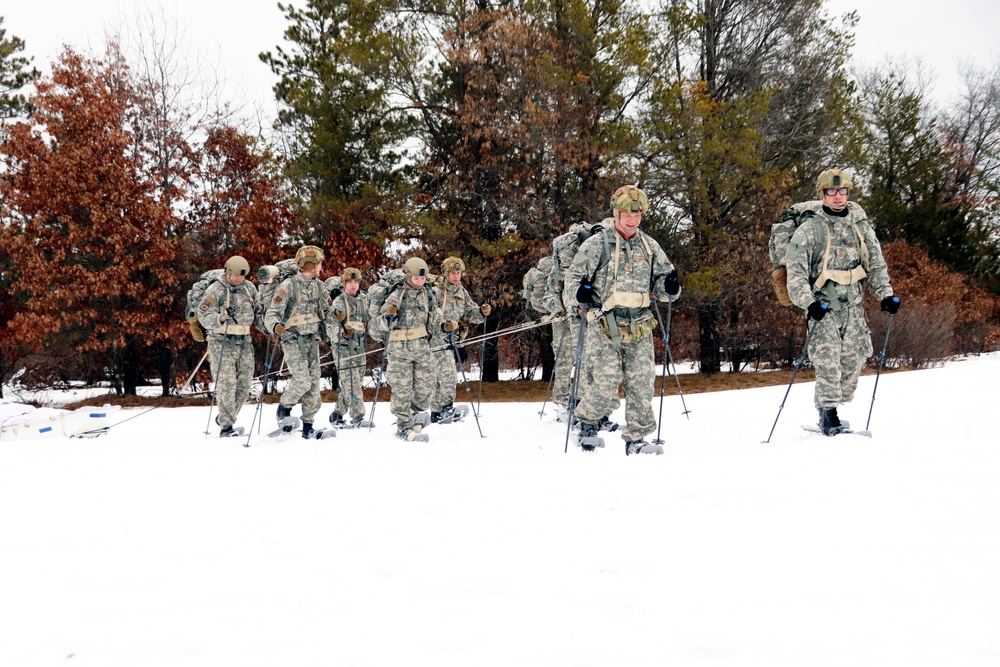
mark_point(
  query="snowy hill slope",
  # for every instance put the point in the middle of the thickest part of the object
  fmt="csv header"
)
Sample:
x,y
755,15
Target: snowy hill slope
x,y
155,545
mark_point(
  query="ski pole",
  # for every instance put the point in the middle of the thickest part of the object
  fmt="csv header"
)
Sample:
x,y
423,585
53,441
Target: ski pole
x,y
575,384
381,371
798,365
670,359
482,356
881,359
663,376
269,351
196,369
555,363
461,367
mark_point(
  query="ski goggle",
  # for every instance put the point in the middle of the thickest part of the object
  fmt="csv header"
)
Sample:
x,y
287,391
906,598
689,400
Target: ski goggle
x,y
829,192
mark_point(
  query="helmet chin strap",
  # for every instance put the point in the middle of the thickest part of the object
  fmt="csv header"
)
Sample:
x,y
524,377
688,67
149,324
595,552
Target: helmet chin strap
x,y
838,209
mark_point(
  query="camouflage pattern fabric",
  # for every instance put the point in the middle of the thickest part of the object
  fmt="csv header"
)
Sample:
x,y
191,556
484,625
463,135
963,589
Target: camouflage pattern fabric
x,y
607,365
232,363
301,343
311,296
841,342
231,357
565,359
350,397
410,369
445,380
536,280
629,364
456,305
302,359
804,259
839,345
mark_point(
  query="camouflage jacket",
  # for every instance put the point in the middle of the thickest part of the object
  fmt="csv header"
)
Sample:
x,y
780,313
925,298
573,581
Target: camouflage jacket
x,y
356,310
641,265
456,305
564,249
302,303
535,283
807,249
221,295
418,307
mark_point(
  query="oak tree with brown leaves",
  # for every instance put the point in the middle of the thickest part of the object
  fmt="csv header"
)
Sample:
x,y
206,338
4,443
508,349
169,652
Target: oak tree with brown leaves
x,y
86,233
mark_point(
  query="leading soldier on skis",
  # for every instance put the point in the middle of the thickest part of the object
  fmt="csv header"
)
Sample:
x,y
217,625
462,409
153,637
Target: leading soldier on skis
x,y
832,255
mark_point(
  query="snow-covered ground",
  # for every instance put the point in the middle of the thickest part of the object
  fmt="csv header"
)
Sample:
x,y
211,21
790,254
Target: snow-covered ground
x,y
156,546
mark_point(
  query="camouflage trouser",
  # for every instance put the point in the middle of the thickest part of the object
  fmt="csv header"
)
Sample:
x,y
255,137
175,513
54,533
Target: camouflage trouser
x,y
302,359
350,396
838,347
232,373
445,380
568,331
610,367
411,375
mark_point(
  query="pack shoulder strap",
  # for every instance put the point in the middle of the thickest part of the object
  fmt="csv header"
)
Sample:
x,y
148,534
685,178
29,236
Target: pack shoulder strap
x,y
842,277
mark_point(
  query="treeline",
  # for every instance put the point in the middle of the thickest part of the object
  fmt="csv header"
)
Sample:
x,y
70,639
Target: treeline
x,y
483,130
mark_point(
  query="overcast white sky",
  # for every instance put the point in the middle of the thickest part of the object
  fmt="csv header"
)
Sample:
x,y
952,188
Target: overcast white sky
x,y
234,32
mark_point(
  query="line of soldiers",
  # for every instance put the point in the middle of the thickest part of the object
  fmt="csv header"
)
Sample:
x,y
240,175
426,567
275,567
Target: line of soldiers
x,y
607,277
416,316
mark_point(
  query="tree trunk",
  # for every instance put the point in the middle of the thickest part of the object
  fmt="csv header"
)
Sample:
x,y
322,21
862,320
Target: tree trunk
x,y
130,369
709,340
548,355
491,353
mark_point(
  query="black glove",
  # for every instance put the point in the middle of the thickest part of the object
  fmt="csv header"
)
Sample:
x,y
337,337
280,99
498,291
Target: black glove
x,y
890,304
671,283
818,310
584,293
231,312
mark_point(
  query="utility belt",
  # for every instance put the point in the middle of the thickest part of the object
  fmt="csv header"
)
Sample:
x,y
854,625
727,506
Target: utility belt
x,y
408,334
627,300
233,330
855,275
633,332
298,319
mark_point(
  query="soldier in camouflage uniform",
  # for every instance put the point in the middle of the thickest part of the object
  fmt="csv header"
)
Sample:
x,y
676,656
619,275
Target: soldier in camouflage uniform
x,y
831,256
226,312
535,282
346,330
564,249
412,314
297,313
456,306
614,272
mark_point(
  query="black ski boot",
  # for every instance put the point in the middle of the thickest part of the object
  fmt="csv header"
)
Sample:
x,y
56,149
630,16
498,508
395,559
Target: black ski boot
x,y
606,425
642,447
307,430
588,438
337,419
227,432
829,422
283,412
435,417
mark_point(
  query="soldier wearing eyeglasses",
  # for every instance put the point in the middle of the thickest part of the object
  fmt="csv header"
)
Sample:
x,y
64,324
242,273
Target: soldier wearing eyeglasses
x,y
832,255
